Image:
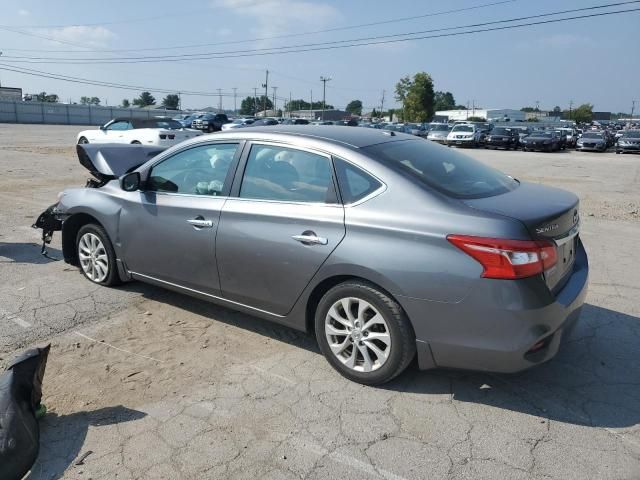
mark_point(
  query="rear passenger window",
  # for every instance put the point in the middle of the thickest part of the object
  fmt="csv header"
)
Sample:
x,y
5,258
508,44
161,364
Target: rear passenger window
x,y
286,174
354,183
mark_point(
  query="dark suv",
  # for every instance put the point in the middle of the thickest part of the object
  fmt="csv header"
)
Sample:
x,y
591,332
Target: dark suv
x,y
210,122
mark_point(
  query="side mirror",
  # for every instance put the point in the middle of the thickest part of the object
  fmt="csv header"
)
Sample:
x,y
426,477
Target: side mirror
x,y
130,182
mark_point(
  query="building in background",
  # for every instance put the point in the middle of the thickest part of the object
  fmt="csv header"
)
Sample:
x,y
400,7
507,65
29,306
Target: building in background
x,y
329,115
10,94
490,114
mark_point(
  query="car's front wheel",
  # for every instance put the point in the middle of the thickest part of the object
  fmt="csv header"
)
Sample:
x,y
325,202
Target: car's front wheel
x,y
363,333
82,141
96,256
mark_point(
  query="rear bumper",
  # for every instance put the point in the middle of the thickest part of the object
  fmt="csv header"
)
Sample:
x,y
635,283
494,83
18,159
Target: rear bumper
x,y
495,327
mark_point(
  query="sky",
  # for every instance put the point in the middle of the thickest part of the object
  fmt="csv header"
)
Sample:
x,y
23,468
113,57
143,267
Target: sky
x,y
595,60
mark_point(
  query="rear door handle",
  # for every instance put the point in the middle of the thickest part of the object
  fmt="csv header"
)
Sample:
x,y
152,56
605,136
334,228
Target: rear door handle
x,y
200,222
310,238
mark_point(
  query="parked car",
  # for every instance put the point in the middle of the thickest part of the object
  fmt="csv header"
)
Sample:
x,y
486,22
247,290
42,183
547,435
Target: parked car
x,y
153,131
210,122
265,122
571,136
238,123
629,142
465,266
502,137
562,138
295,121
542,140
417,129
465,135
438,132
593,141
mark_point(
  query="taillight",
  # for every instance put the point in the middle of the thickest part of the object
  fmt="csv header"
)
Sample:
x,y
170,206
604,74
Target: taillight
x,y
163,136
508,259
171,136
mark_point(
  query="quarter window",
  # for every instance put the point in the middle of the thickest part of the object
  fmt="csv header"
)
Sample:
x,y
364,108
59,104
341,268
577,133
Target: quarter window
x,y
354,183
286,174
119,126
200,170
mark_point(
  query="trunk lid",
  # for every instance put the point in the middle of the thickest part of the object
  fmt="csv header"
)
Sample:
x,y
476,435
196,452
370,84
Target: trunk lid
x,y
109,161
548,214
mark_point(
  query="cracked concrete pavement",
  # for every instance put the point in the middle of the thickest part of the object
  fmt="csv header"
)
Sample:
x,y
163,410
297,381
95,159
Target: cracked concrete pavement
x,y
157,385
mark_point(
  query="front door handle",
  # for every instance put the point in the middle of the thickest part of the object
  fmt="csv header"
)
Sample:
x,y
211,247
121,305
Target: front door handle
x,y
310,238
200,222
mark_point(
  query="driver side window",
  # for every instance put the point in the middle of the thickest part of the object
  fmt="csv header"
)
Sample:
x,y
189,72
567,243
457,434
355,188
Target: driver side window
x,y
120,126
200,170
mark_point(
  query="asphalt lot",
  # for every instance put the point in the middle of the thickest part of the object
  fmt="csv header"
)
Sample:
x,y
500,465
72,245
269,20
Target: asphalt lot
x,y
159,385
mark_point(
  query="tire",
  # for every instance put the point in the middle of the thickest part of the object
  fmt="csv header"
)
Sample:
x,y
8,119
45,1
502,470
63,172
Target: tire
x,y
136,142
96,257
210,129
618,152
394,327
82,141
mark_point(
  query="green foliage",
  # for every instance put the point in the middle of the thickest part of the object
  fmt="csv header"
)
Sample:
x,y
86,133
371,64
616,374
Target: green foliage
x,y
583,114
477,119
557,110
443,101
250,105
47,97
417,97
144,100
171,101
301,104
461,107
533,119
89,101
527,109
125,103
354,107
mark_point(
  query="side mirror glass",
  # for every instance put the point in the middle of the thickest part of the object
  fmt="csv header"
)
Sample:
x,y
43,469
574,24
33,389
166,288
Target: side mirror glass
x,y
130,182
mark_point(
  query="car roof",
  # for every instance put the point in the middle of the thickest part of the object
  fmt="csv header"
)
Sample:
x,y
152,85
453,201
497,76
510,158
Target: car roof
x,y
351,136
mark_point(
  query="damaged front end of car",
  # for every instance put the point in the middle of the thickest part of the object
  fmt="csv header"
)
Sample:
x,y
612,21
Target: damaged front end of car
x,y
105,162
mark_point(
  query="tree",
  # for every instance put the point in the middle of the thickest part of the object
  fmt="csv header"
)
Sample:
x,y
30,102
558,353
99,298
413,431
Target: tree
x,y
144,100
125,103
47,97
89,101
417,97
354,107
171,101
532,119
443,101
301,104
583,114
557,111
249,104
527,109
461,107
477,119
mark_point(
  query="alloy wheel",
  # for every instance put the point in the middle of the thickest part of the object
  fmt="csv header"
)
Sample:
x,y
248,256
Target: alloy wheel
x,y
93,257
358,334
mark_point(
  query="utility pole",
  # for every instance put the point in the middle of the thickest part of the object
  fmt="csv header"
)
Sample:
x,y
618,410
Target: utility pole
x,y
311,107
235,96
570,109
290,105
266,94
219,100
255,100
382,102
633,109
324,81
179,101
274,99
537,105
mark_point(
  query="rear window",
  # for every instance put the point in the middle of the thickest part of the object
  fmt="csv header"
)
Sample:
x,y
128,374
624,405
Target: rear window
x,y
446,170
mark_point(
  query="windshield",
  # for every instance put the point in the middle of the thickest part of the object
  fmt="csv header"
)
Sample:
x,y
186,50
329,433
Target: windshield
x,y
541,134
631,134
500,131
591,135
462,128
446,170
439,127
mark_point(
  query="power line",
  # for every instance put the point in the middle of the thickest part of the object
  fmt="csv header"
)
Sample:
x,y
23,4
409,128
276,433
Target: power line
x,y
375,40
273,37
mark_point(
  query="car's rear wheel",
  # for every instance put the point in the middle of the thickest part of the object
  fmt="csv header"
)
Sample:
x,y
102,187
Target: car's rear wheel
x,y
363,333
96,256
210,129
136,142
82,141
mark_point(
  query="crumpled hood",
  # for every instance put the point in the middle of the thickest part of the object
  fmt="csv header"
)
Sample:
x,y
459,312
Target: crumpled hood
x,y
109,161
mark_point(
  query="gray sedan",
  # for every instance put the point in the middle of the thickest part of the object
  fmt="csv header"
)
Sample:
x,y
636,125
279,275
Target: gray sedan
x,y
385,246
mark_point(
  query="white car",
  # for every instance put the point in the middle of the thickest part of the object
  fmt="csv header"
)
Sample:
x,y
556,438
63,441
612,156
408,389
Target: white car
x,y
238,123
465,134
163,132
